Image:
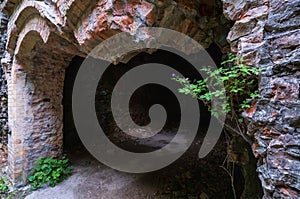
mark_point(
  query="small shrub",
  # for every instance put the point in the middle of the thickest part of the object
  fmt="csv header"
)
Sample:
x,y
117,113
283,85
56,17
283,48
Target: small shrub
x,y
239,80
3,186
239,88
49,171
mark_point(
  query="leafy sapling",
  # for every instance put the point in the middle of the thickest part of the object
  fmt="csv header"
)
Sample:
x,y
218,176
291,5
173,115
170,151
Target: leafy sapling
x,y
238,85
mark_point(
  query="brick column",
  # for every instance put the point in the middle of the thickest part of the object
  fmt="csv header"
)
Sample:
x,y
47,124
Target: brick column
x,y
35,111
16,89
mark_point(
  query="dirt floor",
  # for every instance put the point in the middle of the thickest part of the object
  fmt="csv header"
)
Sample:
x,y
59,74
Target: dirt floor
x,y
92,179
187,178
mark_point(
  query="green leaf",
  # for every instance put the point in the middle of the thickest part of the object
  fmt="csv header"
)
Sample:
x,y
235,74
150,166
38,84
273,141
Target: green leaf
x,y
49,170
240,83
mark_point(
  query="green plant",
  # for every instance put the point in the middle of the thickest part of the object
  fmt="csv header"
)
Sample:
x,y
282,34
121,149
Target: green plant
x,y
49,171
235,84
3,185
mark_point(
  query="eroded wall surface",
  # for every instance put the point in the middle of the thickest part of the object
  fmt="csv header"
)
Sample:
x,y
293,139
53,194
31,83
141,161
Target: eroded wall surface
x,y
267,34
4,129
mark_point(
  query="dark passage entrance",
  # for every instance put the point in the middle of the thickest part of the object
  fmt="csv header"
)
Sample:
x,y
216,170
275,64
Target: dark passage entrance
x,y
188,177
71,138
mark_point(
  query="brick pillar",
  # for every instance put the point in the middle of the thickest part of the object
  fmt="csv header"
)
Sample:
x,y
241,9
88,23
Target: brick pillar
x,y
16,89
35,111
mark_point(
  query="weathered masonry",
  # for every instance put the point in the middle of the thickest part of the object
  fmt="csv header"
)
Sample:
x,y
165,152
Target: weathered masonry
x,y
43,36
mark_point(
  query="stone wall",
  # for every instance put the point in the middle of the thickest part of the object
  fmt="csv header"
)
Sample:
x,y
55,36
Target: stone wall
x,y
266,33
3,94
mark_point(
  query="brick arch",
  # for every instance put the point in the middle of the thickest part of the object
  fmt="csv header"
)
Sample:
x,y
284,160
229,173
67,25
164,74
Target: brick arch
x,y
34,31
35,96
76,10
66,28
35,87
99,20
21,16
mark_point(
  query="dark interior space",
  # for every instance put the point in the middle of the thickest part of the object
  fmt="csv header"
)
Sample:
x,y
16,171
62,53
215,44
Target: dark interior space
x,y
187,177
142,99
71,138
